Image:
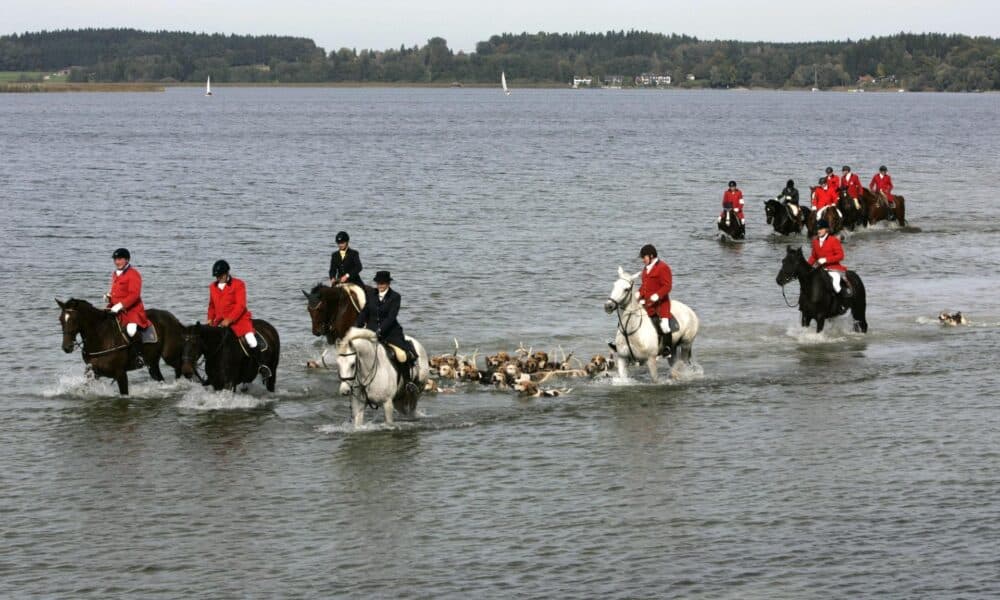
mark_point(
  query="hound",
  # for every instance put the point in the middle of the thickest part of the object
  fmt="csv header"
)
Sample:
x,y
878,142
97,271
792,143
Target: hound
x,y
952,319
529,389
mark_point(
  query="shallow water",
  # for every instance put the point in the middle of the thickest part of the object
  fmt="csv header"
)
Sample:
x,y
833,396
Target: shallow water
x,y
784,464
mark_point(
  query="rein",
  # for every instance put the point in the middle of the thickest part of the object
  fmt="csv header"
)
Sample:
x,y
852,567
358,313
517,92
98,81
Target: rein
x,y
361,385
623,325
82,344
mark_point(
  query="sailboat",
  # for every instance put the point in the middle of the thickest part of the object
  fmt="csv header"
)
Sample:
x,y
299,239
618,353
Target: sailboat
x,y
503,82
208,86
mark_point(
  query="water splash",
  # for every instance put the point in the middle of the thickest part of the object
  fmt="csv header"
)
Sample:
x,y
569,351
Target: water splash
x,y
206,399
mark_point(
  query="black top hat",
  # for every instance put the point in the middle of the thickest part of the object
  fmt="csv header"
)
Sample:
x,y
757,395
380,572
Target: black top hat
x,y
382,277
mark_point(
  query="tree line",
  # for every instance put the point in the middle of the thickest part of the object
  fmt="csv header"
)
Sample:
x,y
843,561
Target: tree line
x,y
927,61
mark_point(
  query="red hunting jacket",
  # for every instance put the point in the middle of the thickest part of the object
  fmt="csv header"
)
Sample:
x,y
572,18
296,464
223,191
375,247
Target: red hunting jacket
x,y
830,249
833,181
658,281
823,197
853,184
881,183
230,303
735,200
127,289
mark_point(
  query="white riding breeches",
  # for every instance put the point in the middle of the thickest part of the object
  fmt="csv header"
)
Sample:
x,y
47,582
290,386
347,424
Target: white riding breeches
x,y
131,328
665,326
835,279
251,340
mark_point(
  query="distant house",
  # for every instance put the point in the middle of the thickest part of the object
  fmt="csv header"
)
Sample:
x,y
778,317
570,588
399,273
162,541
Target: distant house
x,y
582,81
866,80
613,81
652,80
690,77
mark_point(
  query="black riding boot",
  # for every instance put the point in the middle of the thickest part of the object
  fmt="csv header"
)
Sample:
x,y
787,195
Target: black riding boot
x,y
258,358
135,358
892,212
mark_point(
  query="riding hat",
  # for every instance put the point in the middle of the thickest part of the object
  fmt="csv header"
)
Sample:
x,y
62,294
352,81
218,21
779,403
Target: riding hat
x,y
822,180
883,169
648,250
382,277
342,237
121,253
829,170
822,224
220,267
732,184
846,169
790,183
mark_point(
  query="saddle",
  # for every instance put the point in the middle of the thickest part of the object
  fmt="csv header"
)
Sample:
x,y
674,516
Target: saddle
x,y
261,343
666,342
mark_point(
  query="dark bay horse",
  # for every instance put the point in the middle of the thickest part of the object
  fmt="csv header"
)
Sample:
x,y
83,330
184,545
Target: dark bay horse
x,y
730,225
106,349
333,310
780,217
816,297
832,217
852,209
877,207
227,365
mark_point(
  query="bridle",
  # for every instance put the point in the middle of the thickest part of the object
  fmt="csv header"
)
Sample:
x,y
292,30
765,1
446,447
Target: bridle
x,y
82,344
356,384
620,309
790,277
325,325
186,354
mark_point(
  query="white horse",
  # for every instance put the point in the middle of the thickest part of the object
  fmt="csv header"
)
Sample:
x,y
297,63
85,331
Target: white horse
x,y
636,339
369,376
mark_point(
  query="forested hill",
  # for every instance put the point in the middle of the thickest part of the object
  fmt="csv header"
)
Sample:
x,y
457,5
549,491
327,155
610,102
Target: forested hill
x,y
912,61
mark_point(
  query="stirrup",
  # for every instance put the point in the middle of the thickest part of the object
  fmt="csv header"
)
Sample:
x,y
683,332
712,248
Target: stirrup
x,y
264,370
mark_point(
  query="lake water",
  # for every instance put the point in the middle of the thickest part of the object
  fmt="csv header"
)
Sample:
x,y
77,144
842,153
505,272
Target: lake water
x,y
785,464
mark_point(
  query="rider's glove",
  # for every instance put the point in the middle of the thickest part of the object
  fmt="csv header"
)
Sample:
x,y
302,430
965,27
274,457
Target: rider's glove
x,y
654,298
117,308
642,301
822,261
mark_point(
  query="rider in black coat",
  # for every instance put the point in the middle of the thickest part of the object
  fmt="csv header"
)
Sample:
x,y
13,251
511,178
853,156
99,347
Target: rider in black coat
x,y
379,315
345,262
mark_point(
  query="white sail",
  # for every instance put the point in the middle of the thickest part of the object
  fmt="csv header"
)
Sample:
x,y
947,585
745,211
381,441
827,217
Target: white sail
x,y
503,82
208,86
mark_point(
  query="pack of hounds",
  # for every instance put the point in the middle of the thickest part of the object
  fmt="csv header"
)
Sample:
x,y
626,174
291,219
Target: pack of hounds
x,y
523,371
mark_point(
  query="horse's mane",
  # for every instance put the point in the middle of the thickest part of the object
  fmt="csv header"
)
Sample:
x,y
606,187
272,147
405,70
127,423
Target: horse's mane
x,y
83,305
357,333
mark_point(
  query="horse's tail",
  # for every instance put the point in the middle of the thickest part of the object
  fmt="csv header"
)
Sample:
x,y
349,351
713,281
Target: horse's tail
x,y
859,302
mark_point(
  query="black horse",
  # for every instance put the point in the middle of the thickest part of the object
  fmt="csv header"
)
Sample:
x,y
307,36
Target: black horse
x,y
779,215
730,225
333,310
105,347
816,297
227,363
853,210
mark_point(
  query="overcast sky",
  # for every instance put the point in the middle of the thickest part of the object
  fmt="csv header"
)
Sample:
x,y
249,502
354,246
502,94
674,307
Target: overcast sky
x,y
384,24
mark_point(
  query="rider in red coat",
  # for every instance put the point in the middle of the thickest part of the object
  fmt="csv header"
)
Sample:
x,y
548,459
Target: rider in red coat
x,y
125,300
827,252
823,196
852,182
732,198
832,180
882,182
227,307
654,294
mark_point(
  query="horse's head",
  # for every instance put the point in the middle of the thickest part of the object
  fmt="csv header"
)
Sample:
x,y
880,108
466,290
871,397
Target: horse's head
x,y
791,265
347,365
318,309
621,292
192,350
69,319
771,209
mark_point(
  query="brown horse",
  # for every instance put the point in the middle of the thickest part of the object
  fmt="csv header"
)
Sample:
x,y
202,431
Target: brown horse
x,y
877,207
105,345
333,310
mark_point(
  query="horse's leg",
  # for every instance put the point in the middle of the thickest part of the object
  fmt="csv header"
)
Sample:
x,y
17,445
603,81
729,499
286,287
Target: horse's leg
x,y
819,324
620,362
358,410
122,380
389,410
269,382
651,363
805,320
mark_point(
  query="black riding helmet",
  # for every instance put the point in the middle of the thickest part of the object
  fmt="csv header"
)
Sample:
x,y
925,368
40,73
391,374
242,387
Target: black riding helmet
x,y
342,237
648,250
790,184
732,184
822,180
121,253
845,169
829,170
220,267
883,169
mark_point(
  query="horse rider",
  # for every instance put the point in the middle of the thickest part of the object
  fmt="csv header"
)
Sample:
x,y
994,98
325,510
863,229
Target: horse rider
x,y
822,197
827,252
345,263
851,181
732,198
832,180
790,197
227,307
380,315
654,296
125,301
881,183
